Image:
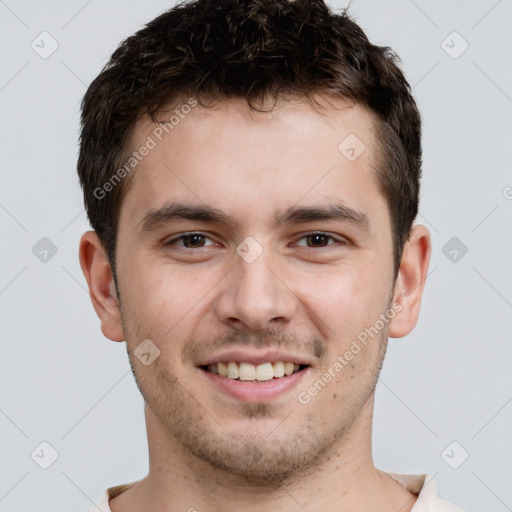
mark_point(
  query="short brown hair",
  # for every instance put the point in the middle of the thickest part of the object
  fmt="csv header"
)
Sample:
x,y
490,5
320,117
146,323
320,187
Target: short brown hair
x,y
252,49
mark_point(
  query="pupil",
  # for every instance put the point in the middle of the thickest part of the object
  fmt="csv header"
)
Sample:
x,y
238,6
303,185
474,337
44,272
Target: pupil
x,y
318,239
193,240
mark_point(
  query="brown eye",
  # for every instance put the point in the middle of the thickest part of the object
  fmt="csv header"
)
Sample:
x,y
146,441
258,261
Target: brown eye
x,y
191,241
318,240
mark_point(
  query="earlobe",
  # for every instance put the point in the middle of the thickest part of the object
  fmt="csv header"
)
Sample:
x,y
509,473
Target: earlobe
x,y
410,282
100,281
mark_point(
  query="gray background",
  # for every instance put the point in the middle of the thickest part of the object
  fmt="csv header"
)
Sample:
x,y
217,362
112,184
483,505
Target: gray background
x,y
63,383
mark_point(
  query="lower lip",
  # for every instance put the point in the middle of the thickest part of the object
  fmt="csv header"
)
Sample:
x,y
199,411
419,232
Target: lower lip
x,y
250,391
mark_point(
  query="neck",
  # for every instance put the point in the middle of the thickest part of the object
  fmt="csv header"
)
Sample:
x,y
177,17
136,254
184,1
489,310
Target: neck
x,y
342,479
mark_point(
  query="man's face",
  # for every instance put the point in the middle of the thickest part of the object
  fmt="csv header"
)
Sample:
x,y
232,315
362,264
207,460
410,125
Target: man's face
x,y
315,272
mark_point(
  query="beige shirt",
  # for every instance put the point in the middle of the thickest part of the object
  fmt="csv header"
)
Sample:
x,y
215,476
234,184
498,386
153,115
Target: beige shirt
x,y
423,486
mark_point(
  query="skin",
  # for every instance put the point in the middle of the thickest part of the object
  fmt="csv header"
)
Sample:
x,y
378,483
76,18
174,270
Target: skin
x,y
307,296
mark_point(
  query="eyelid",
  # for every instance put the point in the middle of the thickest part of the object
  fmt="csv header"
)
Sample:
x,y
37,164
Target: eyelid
x,y
337,238
177,238
181,236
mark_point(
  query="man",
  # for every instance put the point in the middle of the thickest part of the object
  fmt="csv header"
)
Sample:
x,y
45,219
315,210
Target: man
x,y
251,172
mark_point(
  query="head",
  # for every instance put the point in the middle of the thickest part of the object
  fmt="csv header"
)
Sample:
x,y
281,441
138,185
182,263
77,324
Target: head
x,y
290,145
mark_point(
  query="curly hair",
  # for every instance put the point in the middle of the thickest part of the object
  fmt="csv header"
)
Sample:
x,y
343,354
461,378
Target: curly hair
x,y
215,50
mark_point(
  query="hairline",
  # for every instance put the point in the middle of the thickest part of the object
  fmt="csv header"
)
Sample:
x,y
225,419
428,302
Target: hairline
x,y
379,130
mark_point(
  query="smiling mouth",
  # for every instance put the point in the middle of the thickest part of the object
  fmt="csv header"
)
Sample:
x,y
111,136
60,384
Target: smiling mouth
x,y
259,373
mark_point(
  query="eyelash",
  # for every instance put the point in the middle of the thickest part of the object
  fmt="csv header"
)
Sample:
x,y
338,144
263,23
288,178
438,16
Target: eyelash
x,y
174,241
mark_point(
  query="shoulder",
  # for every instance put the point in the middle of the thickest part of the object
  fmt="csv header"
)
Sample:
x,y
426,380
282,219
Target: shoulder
x,y
102,505
424,486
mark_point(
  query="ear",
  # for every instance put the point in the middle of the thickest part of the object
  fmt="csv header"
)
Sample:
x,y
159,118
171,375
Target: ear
x,y
100,280
410,282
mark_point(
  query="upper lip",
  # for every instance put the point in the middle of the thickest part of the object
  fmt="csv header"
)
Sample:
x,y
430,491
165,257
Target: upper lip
x,y
254,357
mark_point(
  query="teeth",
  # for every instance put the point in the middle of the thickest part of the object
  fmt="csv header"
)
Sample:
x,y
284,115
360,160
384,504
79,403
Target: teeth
x,y
232,370
246,371
223,369
250,372
264,371
278,369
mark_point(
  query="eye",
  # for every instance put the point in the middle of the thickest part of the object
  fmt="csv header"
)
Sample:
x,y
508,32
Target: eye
x,y
191,241
313,240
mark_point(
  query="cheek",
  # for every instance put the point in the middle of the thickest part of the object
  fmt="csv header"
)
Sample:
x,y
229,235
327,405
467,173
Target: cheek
x,y
346,299
162,301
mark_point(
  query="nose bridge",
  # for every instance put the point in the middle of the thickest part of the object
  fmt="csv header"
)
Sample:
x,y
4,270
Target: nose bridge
x,y
255,294
256,278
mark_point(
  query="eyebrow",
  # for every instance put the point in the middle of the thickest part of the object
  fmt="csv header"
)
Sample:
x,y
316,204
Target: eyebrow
x,y
154,219
336,212
182,211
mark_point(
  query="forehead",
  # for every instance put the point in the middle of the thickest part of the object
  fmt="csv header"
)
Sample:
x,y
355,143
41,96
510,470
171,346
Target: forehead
x,y
230,154
295,116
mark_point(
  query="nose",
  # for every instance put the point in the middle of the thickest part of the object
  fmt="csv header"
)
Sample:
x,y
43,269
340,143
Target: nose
x,y
255,296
